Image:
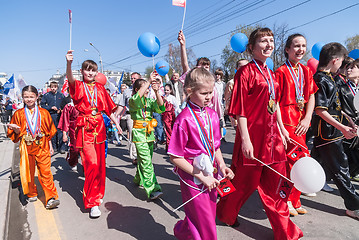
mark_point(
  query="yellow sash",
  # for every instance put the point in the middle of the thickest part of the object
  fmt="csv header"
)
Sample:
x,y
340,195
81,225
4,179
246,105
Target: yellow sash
x,y
149,125
24,167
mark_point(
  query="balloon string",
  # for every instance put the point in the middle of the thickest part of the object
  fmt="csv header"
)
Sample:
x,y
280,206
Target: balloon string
x,y
273,170
153,62
292,140
321,145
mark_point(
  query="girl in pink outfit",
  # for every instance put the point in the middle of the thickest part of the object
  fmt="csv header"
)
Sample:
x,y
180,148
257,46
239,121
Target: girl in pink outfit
x,y
195,152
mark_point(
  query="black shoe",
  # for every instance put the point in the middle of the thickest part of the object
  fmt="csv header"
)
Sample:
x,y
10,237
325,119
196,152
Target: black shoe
x,y
234,225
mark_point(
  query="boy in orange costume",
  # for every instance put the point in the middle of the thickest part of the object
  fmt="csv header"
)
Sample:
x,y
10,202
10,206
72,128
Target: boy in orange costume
x,y
33,126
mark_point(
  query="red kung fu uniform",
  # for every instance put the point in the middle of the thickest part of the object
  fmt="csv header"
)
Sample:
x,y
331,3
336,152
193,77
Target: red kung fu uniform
x,y
250,99
90,137
291,115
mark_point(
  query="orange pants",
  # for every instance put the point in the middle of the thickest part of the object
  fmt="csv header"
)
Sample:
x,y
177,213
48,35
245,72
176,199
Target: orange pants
x,y
94,162
43,163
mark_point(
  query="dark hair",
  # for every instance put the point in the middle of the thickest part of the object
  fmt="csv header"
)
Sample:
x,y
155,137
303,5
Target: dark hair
x,y
346,62
29,88
54,83
258,33
329,52
204,60
135,73
89,65
171,89
289,42
354,63
137,85
219,72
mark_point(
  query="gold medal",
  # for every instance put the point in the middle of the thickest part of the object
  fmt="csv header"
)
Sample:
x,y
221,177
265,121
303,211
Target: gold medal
x,y
28,139
215,170
94,112
272,106
144,124
300,104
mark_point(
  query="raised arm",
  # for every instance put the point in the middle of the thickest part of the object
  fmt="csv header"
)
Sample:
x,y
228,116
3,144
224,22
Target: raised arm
x,y
69,59
184,59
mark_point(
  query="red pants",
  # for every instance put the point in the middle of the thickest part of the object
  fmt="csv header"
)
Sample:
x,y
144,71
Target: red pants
x,y
94,162
294,196
249,178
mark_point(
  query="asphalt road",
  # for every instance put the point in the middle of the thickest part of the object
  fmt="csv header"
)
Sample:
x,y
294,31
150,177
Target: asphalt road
x,y
127,214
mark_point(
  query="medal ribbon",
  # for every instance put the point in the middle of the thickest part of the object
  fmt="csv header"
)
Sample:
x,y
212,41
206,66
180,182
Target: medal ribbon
x,y
144,111
92,98
298,81
351,88
271,89
33,125
207,142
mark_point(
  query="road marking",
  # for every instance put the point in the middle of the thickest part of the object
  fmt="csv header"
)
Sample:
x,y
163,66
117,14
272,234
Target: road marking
x,y
46,223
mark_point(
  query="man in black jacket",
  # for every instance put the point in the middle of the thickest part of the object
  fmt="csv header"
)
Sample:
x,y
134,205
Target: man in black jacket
x,y
51,101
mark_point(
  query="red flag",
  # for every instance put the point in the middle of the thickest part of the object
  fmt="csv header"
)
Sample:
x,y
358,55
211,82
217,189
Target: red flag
x,y
225,187
179,3
65,86
284,188
70,16
296,153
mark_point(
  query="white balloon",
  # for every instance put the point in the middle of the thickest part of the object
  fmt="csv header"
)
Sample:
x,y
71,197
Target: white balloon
x,y
308,175
356,102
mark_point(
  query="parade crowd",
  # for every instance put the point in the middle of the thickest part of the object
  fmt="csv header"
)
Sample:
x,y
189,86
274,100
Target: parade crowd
x,y
274,115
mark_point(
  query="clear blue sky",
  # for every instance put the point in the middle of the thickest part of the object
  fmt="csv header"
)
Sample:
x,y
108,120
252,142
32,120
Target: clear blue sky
x,y
35,34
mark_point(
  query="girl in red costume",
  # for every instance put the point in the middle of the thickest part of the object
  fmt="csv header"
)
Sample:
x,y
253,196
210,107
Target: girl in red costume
x,y
254,103
297,88
91,99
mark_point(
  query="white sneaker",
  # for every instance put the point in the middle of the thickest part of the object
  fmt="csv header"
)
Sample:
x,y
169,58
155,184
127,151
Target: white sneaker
x,y
327,188
95,212
32,199
74,168
310,194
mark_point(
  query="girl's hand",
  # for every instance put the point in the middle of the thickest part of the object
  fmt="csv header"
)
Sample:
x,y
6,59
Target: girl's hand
x,y
227,172
247,149
181,39
14,127
69,56
155,86
285,137
209,182
51,148
119,129
302,127
64,138
348,132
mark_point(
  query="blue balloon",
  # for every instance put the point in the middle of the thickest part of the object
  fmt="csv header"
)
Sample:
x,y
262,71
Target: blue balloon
x,y
316,50
224,131
162,67
148,44
270,63
354,53
239,42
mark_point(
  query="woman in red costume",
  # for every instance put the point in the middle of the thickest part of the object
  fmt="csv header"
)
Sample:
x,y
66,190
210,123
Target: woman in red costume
x,y
254,103
91,99
297,89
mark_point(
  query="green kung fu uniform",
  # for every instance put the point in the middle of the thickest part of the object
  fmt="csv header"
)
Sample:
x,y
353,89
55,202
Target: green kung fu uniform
x,y
143,137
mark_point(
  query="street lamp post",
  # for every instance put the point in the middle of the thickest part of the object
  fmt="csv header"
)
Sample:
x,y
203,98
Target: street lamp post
x,y
99,54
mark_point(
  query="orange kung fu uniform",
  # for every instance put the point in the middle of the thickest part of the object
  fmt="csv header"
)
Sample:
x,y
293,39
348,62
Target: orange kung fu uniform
x,y
35,154
90,137
291,115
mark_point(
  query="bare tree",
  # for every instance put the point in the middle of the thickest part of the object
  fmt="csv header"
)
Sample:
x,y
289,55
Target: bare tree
x,y
173,57
352,42
280,38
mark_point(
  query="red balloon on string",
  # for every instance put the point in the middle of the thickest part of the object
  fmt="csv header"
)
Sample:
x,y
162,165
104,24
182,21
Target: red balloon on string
x,y
100,78
313,64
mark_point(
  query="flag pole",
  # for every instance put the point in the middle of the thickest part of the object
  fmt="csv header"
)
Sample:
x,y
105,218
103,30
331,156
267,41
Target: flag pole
x,y
273,170
184,15
70,20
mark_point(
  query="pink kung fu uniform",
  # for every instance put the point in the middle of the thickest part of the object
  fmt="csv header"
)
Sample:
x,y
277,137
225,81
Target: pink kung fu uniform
x,y
199,222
